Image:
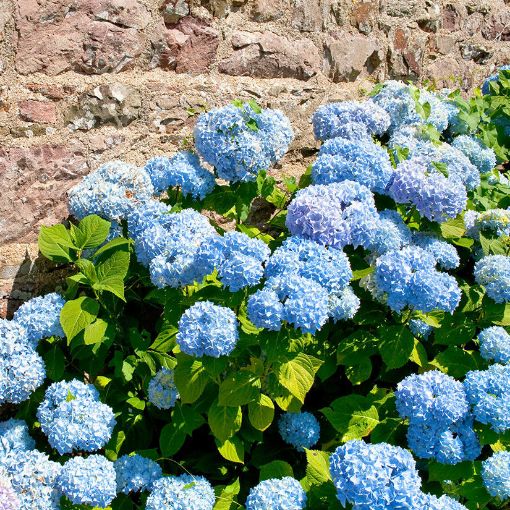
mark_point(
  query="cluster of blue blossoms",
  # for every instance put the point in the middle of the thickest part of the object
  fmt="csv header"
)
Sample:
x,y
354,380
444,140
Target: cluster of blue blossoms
x,y
162,390
495,221
493,272
278,494
301,430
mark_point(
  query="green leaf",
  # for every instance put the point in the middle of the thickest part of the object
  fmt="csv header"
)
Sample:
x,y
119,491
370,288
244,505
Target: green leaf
x,y
232,449
239,388
113,284
497,313
397,344
360,372
91,232
297,375
261,412
95,333
317,468
55,243
442,168
77,314
70,397
225,495
455,330
389,430
453,229
54,360
118,242
224,421
172,438
275,469
457,362
441,472
356,348
190,379
113,264
254,106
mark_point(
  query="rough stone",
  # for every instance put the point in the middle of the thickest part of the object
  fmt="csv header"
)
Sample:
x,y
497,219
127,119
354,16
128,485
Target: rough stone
x,y
347,56
34,183
267,55
364,16
497,26
38,111
451,18
476,52
174,10
406,53
307,15
446,72
5,16
114,104
268,10
51,91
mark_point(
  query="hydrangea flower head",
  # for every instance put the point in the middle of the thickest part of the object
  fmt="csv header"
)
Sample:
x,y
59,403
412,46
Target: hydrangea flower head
x,y
343,306
496,474
391,234
14,437
278,494
145,216
40,316
495,344
8,498
494,220
181,493
300,430
265,310
446,254
207,329
420,329
14,338
111,192
430,502
136,473
239,141
493,272
88,481
162,390
486,84
477,152
433,290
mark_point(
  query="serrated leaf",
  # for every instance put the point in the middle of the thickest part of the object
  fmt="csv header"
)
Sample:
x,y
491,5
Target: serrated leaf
x,y
190,379
397,344
172,438
297,375
317,468
95,333
55,243
232,449
224,421
261,412
91,232
239,388
77,314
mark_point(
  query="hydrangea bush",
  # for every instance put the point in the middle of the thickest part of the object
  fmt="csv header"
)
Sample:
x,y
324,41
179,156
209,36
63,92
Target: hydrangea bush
x,y
351,350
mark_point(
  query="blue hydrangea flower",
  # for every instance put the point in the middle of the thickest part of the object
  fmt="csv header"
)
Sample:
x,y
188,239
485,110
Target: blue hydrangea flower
x,y
298,256
496,221
162,390
277,494
301,430
239,142
478,153
335,215
136,473
391,234
147,215
88,481
435,196
495,344
493,272
181,493
375,476
237,257
13,338
207,329
496,474
343,306
433,290
33,477
487,392
8,498
265,310
14,437
431,398
183,170
446,254
330,120
40,316
430,502
111,192
413,140
493,77
73,418
420,329
361,161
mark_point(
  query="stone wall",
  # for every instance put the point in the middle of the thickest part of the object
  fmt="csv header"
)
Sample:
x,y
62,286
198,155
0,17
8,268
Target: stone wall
x,y
86,81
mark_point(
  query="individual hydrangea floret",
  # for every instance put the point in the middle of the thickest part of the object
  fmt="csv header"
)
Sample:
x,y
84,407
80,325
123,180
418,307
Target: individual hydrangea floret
x,y
343,306
329,120
207,329
183,170
73,418
362,161
431,397
420,328
238,258
478,153
14,437
8,497
111,192
301,430
493,77
88,481
162,390
496,474
375,476
277,494
265,310
493,272
183,492
335,215
239,141
136,473
487,392
40,316
33,477
446,254
495,344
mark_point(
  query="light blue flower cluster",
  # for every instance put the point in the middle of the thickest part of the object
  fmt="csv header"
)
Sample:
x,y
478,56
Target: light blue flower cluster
x,y
353,120
162,391
112,191
277,494
420,328
73,417
145,216
238,258
206,329
88,481
22,370
301,430
495,221
446,254
495,344
391,233
183,170
435,196
409,278
430,502
344,305
493,77
136,473
14,437
239,141
335,215
362,161
493,272
496,474
477,152
183,492
8,498
33,477
487,392
40,316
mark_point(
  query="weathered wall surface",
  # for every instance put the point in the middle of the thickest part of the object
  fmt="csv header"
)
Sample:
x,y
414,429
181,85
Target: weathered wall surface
x,y
86,81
